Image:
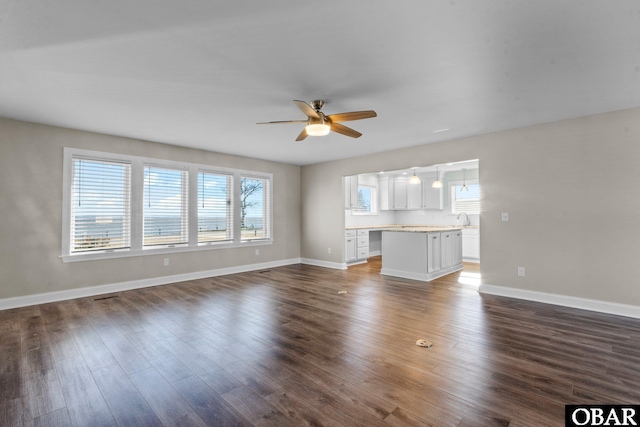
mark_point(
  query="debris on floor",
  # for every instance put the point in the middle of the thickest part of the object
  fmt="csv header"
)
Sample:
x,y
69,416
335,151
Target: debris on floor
x,y
423,343
342,292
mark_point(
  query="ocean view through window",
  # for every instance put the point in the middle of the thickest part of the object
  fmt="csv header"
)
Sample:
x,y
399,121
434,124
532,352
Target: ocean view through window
x,y
215,207
166,218
253,208
118,205
100,205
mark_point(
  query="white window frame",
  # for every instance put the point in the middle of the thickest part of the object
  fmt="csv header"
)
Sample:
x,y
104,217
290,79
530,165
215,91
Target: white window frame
x,y
453,184
374,201
184,206
136,207
231,202
267,212
126,204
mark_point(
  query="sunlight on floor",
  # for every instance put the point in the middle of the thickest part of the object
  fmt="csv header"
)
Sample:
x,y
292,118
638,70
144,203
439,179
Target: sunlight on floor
x,y
472,279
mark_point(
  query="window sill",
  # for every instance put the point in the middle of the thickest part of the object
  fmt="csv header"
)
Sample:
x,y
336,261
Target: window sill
x,y
93,256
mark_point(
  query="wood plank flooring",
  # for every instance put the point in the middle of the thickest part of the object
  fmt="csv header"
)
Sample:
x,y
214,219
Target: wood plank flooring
x,y
281,347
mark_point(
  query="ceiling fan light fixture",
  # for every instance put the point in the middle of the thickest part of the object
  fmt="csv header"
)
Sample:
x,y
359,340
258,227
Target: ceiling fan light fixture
x,y
317,127
317,124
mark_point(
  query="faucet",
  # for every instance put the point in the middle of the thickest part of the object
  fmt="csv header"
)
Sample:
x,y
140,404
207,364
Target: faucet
x,y
467,220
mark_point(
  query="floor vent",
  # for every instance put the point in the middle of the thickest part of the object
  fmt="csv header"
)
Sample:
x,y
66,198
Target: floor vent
x,y
109,297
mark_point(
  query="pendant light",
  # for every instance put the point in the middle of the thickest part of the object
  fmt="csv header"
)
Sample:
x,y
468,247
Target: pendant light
x,y
464,181
437,183
415,179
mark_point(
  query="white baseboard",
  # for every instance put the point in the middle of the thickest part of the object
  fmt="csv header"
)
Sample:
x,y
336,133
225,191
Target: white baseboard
x,y
47,297
471,260
375,253
563,300
424,277
327,264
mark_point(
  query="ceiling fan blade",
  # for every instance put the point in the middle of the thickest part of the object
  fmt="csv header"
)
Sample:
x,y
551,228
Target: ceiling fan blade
x,y
307,109
302,135
353,115
337,127
281,121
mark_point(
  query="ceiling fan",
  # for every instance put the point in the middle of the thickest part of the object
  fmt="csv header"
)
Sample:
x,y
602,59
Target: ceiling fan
x,y
318,124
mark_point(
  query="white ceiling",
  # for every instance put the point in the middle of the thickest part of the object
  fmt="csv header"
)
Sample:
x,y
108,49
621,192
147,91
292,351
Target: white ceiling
x,y
201,73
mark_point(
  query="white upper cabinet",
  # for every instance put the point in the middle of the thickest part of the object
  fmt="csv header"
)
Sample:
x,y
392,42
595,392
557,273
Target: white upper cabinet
x,y
431,197
397,194
414,196
385,193
400,193
351,192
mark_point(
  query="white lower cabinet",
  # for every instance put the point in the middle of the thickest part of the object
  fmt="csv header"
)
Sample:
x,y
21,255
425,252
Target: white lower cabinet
x,y
363,244
356,245
471,244
351,246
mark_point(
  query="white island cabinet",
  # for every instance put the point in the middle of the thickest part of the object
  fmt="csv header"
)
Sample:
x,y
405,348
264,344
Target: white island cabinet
x,y
421,253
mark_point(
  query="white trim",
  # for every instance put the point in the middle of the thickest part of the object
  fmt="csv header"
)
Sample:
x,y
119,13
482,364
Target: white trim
x,y
420,276
326,264
563,300
161,250
47,297
374,253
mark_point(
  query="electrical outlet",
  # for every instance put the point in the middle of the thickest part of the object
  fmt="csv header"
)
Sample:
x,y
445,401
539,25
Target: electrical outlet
x,y
505,216
521,271
166,262
257,251
329,251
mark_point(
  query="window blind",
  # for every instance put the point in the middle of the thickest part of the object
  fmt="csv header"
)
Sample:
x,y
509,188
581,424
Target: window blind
x,y
465,201
165,209
365,199
215,207
100,205
255,208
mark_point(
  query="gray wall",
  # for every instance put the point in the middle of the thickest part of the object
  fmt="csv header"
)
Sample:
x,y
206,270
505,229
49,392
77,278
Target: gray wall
x,y
31,212
569,187
570,190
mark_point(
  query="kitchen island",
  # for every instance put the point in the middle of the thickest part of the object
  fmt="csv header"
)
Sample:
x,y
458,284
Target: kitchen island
x,y
421,253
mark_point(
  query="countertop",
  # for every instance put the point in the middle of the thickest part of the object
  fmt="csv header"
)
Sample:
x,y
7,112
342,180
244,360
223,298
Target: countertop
x,y
410,228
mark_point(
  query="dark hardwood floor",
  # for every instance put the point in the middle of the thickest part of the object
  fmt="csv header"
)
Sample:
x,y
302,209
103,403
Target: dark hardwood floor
x,y
282,347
